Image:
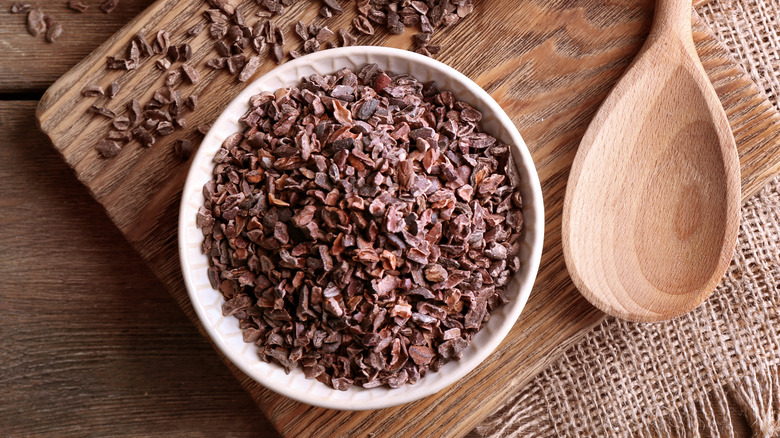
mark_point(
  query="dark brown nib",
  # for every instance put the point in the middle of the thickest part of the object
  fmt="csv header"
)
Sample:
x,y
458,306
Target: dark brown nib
x,y
77,5
19,7
191,74
108,6
35,22
92,91
53,32
108,148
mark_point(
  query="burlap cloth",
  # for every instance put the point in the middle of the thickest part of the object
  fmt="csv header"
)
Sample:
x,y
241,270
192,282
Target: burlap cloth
x,y
676,378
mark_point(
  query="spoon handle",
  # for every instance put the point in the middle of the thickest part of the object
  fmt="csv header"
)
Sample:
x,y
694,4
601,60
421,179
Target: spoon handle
x,y
673,19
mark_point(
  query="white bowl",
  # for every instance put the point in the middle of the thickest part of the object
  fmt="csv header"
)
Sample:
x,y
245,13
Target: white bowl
x,y
208,302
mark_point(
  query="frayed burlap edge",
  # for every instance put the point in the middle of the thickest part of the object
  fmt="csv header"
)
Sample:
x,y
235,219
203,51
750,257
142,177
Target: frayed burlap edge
x,y
750,29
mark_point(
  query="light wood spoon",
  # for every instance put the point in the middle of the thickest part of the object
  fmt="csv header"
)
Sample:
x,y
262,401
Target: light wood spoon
x,y
652,204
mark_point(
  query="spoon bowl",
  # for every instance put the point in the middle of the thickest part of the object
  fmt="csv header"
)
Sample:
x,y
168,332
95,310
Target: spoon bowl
x,y
651,211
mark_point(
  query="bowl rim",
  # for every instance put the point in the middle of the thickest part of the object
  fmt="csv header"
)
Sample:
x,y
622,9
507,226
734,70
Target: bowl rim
x,y
535,207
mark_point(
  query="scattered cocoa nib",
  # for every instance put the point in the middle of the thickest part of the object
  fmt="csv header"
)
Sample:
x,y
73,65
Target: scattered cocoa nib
x,y
196,29
137,46
134,108
249,69
35,22
185,52
421,39
361,226
173,77
394,24
273,6
123,136
363,25
108,6
53,32
235,63
301,30
324,34
113,89
222,49
162,42
172,53
325,12
77,5
347,39
177,103
191,74
92,91
121,123
311,45
278,53
429,50
144,136
142,44
105,112
108,148
19,7
217,30
425,15
192,102
165,127
226,6
163,64
115,63
333,6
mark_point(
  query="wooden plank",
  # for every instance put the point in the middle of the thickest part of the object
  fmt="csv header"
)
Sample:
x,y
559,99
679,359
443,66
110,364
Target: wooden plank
x,y
91,343
548,64
31,64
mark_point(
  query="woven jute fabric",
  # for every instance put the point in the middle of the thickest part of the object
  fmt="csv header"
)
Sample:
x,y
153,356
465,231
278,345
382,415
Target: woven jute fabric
x,y
750,29
675,378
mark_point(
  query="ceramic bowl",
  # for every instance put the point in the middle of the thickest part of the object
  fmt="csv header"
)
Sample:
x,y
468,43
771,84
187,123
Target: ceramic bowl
x,y
208,302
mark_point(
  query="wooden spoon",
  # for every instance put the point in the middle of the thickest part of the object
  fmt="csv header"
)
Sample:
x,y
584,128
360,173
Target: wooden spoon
x,y
652,205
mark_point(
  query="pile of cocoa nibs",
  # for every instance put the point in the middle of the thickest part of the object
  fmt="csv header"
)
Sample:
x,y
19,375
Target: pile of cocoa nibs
x,y
362,227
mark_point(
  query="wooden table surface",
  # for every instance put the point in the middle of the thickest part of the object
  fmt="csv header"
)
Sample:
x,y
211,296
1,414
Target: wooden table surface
x,y
90,342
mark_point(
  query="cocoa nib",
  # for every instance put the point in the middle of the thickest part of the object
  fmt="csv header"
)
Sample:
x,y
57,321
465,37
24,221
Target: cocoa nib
x,y
105,112
53,31
19,7
77,5
35,22
113,89
108,148
191,74
92,91
361,225
108,6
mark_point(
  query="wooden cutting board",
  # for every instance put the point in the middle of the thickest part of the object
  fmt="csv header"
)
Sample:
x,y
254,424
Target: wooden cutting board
x,y
548,63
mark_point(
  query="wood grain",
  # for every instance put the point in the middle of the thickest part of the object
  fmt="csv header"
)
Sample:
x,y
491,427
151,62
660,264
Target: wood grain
x,y
91,344
549,64
651,212
31,64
